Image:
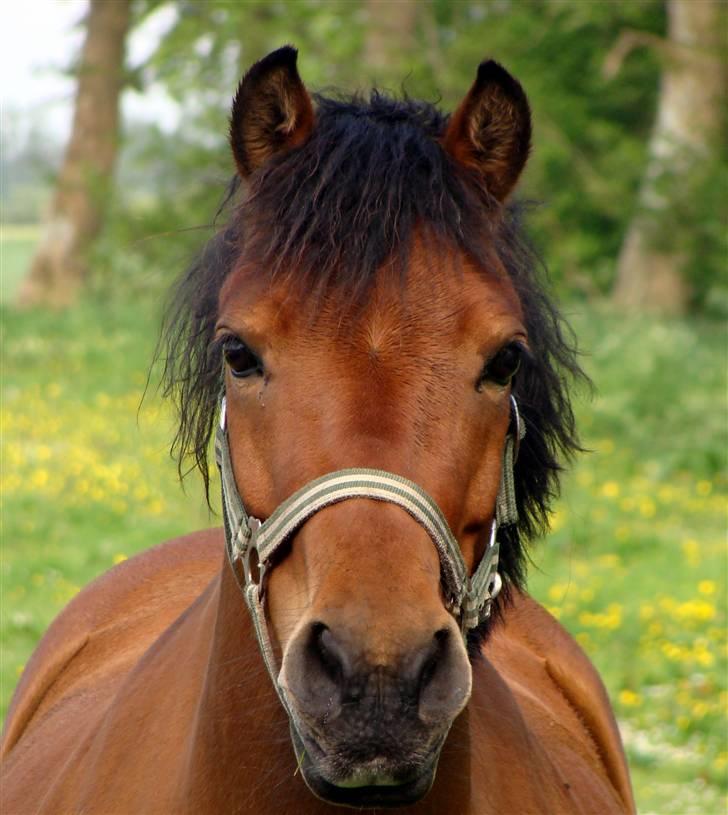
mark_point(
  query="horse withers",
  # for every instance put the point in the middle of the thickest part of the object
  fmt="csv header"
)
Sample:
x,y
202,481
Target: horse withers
x,y
386,380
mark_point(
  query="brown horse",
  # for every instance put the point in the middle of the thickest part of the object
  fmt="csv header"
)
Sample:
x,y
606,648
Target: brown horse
x,y
370,306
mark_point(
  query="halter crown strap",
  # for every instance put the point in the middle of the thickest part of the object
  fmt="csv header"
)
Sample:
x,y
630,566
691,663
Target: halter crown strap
x,y
506,508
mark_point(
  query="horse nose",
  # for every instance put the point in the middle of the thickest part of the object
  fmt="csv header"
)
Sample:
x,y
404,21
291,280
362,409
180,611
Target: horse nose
x,y
326,668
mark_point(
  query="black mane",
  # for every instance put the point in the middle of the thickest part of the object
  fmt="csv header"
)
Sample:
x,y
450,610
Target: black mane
x,y
329,214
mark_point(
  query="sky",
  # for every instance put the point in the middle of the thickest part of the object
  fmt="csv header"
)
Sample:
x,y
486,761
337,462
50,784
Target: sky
x,y
38,39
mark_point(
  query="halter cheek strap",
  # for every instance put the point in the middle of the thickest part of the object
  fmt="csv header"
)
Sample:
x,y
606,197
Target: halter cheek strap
x,y
252,545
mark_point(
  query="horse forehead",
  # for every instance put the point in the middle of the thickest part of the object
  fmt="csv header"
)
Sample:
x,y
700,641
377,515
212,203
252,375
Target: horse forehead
x,y
440,305
437,301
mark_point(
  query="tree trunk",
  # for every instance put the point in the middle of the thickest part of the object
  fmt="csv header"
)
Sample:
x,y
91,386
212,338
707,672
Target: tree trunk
x,y
390,36
76,212
687,124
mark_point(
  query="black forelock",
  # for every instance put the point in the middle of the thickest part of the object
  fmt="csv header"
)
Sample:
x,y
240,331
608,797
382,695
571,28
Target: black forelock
x,y
327,215
336,208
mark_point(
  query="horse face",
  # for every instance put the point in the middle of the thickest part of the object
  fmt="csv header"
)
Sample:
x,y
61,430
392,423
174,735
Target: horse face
x,y
372,662
415,381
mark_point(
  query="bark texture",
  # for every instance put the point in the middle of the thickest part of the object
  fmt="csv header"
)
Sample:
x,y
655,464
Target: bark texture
x,y
76,212
687,123
390,36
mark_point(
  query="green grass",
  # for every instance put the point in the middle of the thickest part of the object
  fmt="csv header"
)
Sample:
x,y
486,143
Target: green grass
x,y
17,243
635,566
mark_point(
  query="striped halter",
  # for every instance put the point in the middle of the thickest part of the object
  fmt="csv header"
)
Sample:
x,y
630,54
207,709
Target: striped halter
x,y
251,545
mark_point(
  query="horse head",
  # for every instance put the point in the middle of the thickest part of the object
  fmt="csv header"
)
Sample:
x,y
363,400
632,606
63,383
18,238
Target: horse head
x,y
372,309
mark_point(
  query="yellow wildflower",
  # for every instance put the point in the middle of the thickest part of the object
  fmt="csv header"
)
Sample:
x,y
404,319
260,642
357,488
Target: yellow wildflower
x,y
155,507
699,710
39,478
647,508
629,698
691,551
555,611
698,610
706,587
558,591
704,657
703,488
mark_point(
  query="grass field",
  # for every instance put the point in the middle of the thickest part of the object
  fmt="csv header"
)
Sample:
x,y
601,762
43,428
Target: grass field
x,y
635,566
16,248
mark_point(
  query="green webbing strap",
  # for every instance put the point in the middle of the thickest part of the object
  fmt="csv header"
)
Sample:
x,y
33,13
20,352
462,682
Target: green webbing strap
x,y
377,485
233,525
506,508
469,597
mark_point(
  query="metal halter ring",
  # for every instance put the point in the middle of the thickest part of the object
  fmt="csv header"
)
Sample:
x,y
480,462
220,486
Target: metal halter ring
x,y
223,413
255,570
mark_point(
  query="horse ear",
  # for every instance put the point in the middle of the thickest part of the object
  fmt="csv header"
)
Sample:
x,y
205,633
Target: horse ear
x,y
491,130
272,111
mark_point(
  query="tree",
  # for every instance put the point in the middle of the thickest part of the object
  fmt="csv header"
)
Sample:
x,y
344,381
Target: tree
x,y
389,38
650,273
76,213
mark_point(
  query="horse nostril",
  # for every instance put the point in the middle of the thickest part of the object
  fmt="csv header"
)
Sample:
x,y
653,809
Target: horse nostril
x,y
425,662
443,678
324,648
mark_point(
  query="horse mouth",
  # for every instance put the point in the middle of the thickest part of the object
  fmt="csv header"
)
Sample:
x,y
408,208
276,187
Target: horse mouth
x,y
372,795
362,789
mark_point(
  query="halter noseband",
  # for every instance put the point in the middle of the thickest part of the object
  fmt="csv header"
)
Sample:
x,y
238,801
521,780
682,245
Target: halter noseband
x,y
253,544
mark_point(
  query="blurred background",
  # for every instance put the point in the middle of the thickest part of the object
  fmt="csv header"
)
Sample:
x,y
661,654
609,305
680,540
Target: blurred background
x,y
114,161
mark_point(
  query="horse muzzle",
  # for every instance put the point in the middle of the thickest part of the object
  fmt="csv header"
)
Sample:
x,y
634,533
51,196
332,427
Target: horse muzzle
x,y
369,735
380,763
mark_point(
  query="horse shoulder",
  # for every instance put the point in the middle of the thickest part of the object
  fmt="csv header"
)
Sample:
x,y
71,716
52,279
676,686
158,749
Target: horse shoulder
x,y
564,681
101,633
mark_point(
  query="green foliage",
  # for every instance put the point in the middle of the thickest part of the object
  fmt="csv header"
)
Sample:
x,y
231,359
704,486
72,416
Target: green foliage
x,y
590,133
26,171
693,223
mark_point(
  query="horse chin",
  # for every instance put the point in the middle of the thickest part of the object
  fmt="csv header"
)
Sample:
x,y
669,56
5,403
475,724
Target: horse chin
x,y
363,789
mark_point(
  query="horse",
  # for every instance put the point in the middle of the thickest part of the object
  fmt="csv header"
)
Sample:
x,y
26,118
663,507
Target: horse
x,y
370,340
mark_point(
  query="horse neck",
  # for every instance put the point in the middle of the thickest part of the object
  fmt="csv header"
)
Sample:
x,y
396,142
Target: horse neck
x,y
239,755
239,733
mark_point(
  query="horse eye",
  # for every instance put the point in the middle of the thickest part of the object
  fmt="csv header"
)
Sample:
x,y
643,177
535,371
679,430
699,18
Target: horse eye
x,y
242,361
501,368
